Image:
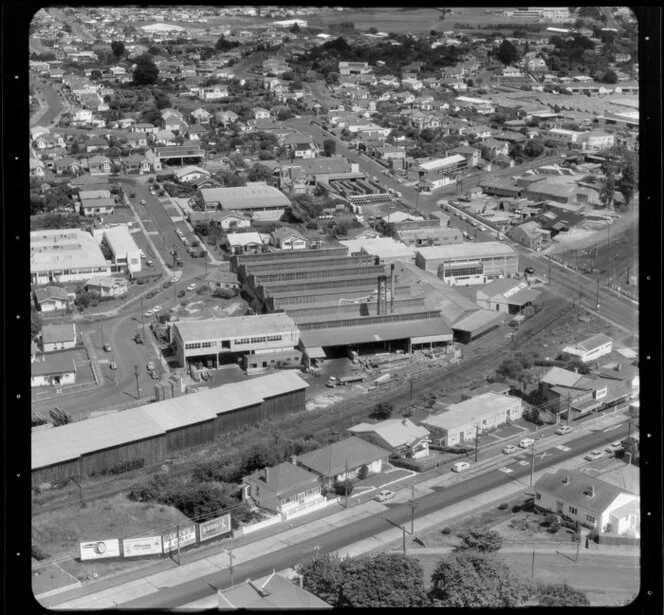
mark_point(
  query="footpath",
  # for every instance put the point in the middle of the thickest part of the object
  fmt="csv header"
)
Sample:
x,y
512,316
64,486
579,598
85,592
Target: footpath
x,y
113,591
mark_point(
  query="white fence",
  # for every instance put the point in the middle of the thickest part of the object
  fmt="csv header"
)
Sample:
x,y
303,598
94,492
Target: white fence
x,y
298,512
248,529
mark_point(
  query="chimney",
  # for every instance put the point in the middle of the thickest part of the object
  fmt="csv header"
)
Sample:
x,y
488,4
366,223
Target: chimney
x,y
619,368
591,491
566,479
392,287
293,459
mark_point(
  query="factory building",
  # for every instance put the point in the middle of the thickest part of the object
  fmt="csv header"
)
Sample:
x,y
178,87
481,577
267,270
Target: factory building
x,y
469,263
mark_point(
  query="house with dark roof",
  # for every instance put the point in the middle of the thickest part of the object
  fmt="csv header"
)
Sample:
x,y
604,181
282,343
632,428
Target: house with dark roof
x,y
399,436
622,371
506,295
592,502
343,459
52,298
220,278
289,239
53,370
58,337
283,488
590,349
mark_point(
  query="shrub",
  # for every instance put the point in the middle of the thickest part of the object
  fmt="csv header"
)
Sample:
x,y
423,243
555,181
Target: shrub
x,y
38,553
503,506
223,293
446,530
363,472
343,488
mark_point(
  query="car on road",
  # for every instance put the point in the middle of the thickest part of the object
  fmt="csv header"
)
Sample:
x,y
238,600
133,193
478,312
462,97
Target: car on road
x,y
473,223
526,443
529,270
142,201
595,455
148,314
614,447
191,286
563,429
460,466
149,263
113,365
151,366
509,449
181,294
107,347
384,495
174,279
482,228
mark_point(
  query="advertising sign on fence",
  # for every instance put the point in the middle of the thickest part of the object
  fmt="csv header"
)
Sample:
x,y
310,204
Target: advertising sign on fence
x,y
187,537
100,549
214,527
133,547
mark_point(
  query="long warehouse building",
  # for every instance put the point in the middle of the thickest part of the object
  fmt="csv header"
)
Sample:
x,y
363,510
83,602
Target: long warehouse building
x,y
150,433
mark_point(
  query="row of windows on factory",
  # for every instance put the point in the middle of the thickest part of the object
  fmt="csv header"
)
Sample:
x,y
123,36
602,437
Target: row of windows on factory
x,y
238,342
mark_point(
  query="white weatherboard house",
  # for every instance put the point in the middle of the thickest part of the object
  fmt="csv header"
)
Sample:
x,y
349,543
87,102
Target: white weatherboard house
x,y
53,371
592,502
591,349
461,422
400,436
58,337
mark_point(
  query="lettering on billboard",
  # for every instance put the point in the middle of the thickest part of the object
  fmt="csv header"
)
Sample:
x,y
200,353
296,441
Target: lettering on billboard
x,y
187,537
134,547
100,549
215,527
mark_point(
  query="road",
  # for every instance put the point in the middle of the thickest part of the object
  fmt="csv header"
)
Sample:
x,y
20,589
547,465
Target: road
x,y
53,101
397,514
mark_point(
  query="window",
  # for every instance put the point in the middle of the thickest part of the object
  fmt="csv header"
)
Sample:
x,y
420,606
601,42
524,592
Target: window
x,y
538,496
242,340
573,511
590,519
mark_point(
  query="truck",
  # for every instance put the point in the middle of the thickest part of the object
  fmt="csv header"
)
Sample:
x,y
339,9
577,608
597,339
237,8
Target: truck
x,y
333,381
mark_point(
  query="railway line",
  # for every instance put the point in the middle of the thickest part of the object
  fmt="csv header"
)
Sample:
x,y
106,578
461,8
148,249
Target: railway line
x,y
436,380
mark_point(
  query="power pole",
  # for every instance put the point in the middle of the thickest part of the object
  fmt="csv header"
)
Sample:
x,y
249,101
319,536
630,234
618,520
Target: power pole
x,y
477,440
413,506
230,567
549,256
346,487
142,319
569,408
597,295
532,466
532,568
178,539
138,389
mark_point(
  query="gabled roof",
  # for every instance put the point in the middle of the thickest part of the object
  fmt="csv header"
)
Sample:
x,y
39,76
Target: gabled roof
x,y
331,460
52,334
50,292
577,490
557,376
283,478
396,432
52,365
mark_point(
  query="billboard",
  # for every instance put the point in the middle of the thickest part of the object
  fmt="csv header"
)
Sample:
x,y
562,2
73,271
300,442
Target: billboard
x,y
214,527
100,549
187,537
133,547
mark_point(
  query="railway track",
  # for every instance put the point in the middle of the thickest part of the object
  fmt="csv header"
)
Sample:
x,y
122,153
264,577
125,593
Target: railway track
x,y
480,357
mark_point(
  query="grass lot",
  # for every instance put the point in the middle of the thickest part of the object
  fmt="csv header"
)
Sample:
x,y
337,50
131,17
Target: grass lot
x,y
59,533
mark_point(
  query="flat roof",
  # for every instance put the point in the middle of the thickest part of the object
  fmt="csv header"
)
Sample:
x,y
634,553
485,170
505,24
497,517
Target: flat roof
x,y
246,197
471,411
238,326
120,240
383,247
64,249
467,250
441,162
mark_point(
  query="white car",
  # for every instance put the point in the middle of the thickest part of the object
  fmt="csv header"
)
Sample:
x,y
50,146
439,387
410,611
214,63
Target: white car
x,y
156,308
482,228
526,443
614,447
142,254
563,429
460,466
148,314
595,455
191,286
384,495
509,449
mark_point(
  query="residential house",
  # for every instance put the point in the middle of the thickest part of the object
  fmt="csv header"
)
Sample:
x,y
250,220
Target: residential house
x,y
97,207
81,116
52,299
107,286
399,436
202,116
196,131
37,167
145,127
99,165
137,139
531,235
289,239
226,118
590,349
53,371
506,295
216,92
172,124
220,278
169,112
592,502
283,489
165,137
496,147
95,144
261,114
354,68
622,371
189,174
223,219
136,164
58,337
343,460
238,243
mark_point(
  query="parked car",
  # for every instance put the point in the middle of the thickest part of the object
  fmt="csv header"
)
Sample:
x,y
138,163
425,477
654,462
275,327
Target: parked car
x,y
509,449
563,429
148,314
614,447
482,228
191,286
107,347
148,263
142,201
529,270
113,365
181,294
150,366
154,375
384,495
156,308
595,455
460,466
526,443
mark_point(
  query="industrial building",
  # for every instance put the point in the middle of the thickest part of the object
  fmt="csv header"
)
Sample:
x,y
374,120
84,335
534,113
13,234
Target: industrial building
x,y
461,422
469,263
257,199
126,254
152,432
65,255
265,339
509,296
341,302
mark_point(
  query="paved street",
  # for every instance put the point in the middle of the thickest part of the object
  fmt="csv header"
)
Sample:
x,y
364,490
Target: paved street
x,y
53,102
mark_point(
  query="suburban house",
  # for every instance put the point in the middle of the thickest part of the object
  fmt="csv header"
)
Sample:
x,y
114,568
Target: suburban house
x,y
137,139
96,207
623,371
58,337
223,219
283,488
531,235
400,436
506,295
202,116
36,168
136,164
343,459
461,422
52,299
592,502
260,113
239,243
188,174
226,118
590,349
213,93
220,278
107,286
289,239
99,165
94,144
53,371
196,131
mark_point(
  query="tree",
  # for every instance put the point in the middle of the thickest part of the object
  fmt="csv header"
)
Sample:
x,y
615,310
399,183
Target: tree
x,y
472,579
627,183
118,49
561,594
482,539
382,411
260,173
388,580
533,148
35,323
608,189
610,77
507,53
295,28
258,457
146,72
329,147
322,576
